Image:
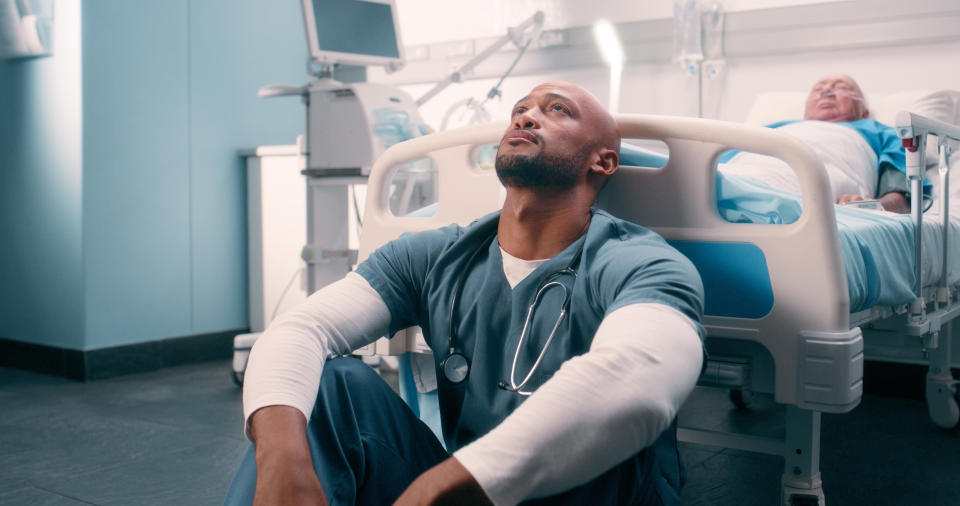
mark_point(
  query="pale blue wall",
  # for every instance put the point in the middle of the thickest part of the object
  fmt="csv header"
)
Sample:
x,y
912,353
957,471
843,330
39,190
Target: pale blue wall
x,y
236,48
41,283
136,171
169,97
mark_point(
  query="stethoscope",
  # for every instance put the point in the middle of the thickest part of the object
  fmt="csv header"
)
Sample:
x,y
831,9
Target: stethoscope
x,y
456,367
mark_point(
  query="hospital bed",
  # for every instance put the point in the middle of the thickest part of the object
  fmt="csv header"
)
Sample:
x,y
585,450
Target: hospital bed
x,y
778,304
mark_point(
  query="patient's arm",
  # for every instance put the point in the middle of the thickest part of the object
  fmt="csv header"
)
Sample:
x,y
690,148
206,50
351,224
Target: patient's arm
x,y
895,202
597,410
892,189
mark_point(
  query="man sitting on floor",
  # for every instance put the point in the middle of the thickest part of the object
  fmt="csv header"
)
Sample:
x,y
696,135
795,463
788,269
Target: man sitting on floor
x,y
565,342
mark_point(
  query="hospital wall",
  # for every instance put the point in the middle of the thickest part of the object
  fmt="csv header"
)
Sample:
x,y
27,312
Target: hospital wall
x,y
664,88
170,96
41,244
122,189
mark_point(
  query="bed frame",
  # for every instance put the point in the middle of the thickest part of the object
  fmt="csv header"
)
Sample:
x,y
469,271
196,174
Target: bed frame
x,y
802,346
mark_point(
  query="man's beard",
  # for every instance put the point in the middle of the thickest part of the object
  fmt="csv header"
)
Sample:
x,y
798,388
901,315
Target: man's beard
x,y
542,170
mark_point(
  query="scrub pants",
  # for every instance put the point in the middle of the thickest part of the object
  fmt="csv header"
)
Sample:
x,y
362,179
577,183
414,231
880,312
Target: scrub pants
x,y
367,445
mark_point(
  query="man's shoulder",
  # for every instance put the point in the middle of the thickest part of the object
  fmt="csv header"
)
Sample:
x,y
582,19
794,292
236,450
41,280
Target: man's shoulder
x,y
621,236
448,234
636,264
419,250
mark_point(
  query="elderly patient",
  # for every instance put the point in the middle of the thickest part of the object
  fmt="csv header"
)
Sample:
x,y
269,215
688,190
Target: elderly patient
x,y
577,407
863,157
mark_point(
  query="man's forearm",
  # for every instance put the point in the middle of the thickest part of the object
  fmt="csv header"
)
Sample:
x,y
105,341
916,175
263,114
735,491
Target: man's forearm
x,y
597,410
279,432
285,472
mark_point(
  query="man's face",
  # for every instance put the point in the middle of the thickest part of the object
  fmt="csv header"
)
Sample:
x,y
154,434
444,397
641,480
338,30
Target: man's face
x,y
835,98
550,140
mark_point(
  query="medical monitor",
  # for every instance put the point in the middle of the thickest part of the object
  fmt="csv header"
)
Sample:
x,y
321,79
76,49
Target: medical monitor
x,y
355,32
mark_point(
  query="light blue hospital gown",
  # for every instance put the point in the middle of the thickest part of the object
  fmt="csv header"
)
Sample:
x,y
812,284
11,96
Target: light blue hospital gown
x,y
882,139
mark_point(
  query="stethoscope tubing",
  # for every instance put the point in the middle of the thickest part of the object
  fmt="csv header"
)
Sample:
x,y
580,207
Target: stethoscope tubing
x,y
459,373
514,386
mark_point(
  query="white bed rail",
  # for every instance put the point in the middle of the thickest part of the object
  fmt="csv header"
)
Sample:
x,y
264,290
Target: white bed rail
x,y
809,321
913,129
935,328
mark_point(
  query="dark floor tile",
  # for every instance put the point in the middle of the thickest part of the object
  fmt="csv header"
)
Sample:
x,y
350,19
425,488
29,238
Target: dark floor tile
x,y
712,409
693,455
14,380
197,476
30,496
731,478
65,444
174,437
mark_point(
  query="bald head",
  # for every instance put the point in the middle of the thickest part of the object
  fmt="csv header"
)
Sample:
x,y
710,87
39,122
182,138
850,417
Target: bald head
x,y
606,129
559,136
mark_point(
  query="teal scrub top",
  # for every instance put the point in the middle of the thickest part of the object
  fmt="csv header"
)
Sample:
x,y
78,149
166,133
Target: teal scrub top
x,y
416,276
621,264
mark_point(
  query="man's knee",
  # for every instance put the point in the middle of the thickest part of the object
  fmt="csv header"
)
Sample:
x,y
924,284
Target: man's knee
x,y
348,378
348,370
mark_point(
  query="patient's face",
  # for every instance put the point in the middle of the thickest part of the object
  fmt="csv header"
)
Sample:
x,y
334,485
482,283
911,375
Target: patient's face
x,y
551,138
836,98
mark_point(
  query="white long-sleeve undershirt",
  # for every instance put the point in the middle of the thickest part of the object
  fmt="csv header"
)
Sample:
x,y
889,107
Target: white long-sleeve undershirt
x,y
597,410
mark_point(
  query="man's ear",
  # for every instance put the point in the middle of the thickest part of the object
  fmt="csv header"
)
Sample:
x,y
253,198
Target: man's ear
x,y
607,162
866,113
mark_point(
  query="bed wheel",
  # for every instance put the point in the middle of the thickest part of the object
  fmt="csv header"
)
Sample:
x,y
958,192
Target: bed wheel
x,y
742,398
942,403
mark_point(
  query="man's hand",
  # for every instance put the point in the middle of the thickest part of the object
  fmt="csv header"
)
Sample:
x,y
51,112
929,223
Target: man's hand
x,y
895,202
284,468
445,483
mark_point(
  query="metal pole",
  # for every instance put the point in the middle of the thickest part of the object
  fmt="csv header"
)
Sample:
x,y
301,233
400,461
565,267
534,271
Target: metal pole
x,y
945,216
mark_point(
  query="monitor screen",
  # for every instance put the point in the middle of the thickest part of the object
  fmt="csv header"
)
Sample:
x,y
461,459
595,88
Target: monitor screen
x,y
361,32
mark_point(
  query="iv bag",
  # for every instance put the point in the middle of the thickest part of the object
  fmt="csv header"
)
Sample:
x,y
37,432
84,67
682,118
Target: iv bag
x,y
687,47
712,18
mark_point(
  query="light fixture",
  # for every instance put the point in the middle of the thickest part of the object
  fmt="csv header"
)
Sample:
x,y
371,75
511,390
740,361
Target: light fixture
x,y
612,51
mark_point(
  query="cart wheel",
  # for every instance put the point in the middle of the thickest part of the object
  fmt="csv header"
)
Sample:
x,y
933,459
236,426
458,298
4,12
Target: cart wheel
x,y
742,398
237,378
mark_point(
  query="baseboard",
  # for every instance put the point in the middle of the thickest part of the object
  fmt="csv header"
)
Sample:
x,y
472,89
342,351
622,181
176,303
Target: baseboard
x,y
118,360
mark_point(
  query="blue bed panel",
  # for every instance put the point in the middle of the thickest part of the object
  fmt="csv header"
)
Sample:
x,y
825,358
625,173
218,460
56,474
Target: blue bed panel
x,y
736,281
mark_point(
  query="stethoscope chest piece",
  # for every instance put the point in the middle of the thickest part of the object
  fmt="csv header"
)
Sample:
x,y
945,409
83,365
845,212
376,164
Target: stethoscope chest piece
x,y
455,368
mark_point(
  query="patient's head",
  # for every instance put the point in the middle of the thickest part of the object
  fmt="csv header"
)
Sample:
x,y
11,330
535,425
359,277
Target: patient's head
x,y
559,136
836,97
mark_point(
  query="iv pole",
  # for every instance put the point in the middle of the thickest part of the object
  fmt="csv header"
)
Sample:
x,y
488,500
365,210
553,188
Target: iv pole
x,y
513,35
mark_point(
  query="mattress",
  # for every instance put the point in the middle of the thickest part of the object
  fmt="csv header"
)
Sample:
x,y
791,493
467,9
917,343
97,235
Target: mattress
x,y
877,246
